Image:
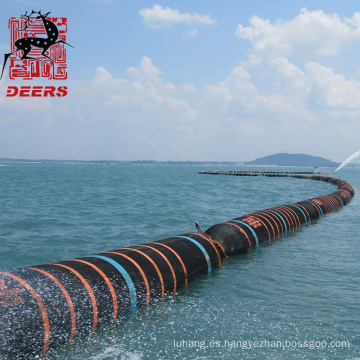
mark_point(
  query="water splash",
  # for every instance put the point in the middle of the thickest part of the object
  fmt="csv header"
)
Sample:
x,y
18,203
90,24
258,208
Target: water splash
x,y
349,159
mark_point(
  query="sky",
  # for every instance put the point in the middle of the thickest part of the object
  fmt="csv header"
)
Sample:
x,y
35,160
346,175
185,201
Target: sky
x,y
188,80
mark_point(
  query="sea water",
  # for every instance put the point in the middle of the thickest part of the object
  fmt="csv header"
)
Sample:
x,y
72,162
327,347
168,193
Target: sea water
x,y
295,299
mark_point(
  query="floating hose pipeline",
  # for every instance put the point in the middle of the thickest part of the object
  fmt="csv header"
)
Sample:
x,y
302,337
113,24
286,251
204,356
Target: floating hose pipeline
x,y
45,306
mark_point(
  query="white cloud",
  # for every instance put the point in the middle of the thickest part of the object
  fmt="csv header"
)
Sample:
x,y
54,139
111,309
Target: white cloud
x,y
333,90
192,33
101,75
237,86
292,82
158,17
238,98
188,88
145,71
16,109
311,32
145,99
282,99
299,95
268,104
253,61
289,70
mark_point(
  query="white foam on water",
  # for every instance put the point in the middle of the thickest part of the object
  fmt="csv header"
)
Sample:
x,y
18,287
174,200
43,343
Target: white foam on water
x,y
118,353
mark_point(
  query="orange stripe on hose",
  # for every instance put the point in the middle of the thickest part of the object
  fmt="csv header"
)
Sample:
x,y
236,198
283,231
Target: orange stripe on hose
x,y
274,218
304,208
332,205
286,216
317,209
177,255
140,270
41,307
208,240
268,231
295,215
291,214
90,291
67,297
241,230
267,220
325,202
267,217
339,198
255,216
348,196
112,290
155,266
167,261
335,201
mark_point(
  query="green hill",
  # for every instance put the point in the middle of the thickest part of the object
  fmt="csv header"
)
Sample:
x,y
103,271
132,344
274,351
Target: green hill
x,y
284,159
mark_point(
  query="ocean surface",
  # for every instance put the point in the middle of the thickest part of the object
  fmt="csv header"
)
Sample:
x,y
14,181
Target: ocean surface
x,y
296,299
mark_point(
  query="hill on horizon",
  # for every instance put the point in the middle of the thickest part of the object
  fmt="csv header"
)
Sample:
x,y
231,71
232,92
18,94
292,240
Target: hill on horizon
x,y
280,159
285,159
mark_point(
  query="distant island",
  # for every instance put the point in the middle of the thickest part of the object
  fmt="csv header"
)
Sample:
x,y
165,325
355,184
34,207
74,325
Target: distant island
x,y
281,159
284,159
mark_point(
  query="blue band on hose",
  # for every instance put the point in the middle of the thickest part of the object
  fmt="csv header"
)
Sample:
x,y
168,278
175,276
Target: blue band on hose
x,y
126,276
282,219
302,213
340,201
331,203
252,230
207,257
317,206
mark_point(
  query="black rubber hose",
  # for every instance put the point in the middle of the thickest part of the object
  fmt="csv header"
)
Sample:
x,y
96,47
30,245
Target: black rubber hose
x,y
45,306
248,231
